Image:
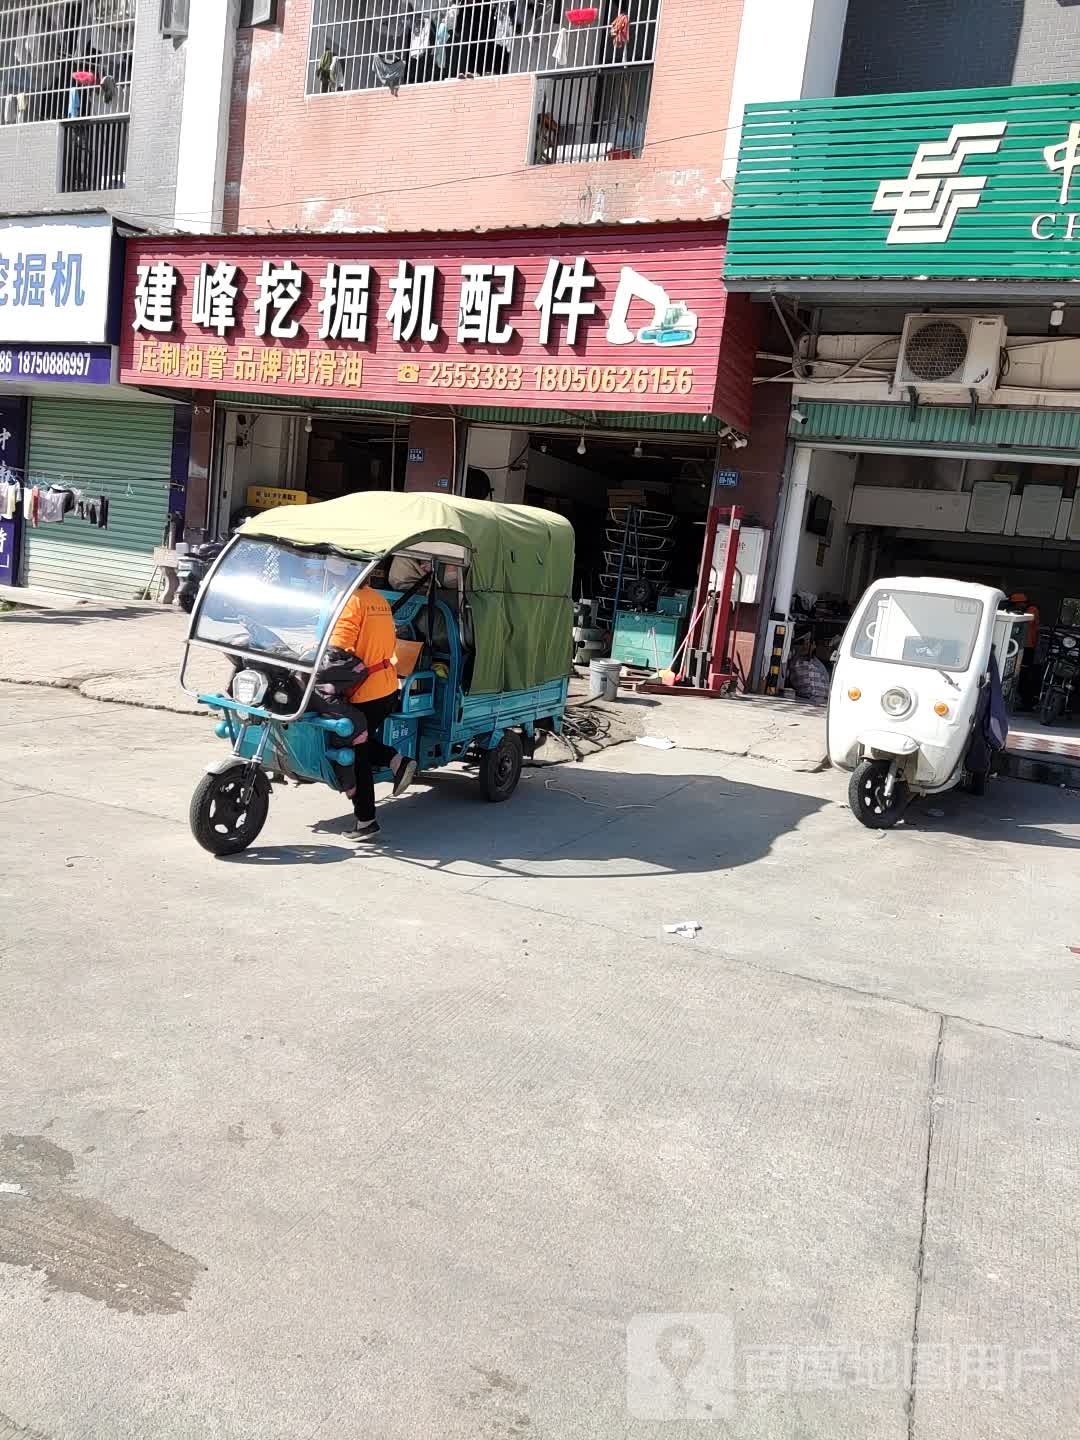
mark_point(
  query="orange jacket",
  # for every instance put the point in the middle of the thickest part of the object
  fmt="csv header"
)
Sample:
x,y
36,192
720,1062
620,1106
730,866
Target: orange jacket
x,y
366,629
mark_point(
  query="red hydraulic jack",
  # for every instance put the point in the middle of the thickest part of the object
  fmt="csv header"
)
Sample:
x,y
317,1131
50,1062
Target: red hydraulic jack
x,y
707,664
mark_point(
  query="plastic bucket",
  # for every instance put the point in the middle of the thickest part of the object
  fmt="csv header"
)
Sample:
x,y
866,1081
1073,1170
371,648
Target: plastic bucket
x,y
604,679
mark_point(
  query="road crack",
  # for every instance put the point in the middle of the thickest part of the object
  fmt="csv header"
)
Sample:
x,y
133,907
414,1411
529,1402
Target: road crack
x,y
920,1260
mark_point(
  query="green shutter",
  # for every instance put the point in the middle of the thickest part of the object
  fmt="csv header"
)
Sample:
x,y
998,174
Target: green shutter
x,y
121,450
993,429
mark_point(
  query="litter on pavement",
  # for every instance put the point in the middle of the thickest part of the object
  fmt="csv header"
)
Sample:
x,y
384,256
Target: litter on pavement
x,y
685,929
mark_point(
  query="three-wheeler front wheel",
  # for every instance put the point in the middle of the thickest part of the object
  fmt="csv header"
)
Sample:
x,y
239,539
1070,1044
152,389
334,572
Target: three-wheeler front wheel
x,y
228,810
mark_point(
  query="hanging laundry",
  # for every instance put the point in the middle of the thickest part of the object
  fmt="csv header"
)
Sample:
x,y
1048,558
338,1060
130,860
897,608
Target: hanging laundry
x,y
443,33
53,505
389,72
94,509
504,24
10,498
583,15
620,31
330,72
420,38
561,54
84,77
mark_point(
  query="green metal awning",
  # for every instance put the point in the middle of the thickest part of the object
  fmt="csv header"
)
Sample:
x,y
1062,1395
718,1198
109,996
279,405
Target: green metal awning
x,y
487,414
1053,433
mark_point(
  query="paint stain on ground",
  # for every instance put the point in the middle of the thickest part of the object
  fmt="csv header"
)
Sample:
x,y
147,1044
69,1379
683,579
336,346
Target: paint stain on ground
x,y
80,1245
496,1405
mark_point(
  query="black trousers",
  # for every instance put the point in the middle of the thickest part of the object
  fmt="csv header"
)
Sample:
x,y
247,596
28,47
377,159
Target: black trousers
x,y
358,779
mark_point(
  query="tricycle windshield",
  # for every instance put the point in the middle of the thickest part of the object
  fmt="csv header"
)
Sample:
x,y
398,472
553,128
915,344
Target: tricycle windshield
x,y
273,600
908,627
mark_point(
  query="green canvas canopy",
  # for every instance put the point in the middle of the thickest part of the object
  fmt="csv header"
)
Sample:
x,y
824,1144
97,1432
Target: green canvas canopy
x,y
519,577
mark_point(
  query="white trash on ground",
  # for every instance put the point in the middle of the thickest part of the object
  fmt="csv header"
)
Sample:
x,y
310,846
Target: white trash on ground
x,y
685,929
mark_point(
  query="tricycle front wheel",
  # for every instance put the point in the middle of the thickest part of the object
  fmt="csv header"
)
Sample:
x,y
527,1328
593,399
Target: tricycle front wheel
x,y
500,768
866,795
229,810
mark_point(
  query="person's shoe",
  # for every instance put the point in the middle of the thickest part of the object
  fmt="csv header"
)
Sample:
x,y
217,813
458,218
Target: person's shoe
x,y
404,772
363,829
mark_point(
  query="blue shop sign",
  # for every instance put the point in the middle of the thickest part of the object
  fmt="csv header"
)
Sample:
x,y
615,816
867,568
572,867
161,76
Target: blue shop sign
x,y
78,364
12,464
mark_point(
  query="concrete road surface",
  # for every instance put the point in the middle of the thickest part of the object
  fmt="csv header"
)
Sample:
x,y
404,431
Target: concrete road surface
x,y
449,1138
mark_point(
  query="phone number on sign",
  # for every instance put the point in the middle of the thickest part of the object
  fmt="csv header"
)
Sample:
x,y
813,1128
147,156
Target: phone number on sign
x,y
44,362
561,379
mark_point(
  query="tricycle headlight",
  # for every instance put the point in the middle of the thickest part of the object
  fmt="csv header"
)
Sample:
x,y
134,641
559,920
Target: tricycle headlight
x,y
897,702
248,687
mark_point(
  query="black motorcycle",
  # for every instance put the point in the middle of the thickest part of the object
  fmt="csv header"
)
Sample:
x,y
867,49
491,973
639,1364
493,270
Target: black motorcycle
x,y
1060,676
192,569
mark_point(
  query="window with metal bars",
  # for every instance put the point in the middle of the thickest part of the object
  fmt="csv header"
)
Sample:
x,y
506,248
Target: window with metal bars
x,y
591,115
65,61
368,44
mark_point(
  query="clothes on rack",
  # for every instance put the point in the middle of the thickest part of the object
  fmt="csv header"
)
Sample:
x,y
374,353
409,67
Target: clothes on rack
x,y
49,504
95,509
53,504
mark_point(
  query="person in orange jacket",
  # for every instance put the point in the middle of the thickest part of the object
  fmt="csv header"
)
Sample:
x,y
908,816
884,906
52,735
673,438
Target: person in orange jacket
x,y
362,682
1030,679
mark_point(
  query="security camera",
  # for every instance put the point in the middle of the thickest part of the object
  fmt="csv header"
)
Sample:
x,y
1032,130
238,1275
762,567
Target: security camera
x,y
798,417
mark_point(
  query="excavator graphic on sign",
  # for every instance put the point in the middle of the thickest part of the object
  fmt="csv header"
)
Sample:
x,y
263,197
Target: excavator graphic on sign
x,y
672,323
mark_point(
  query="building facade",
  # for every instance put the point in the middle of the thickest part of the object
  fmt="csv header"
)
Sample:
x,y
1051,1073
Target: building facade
x,y
113,119
924,248
564,134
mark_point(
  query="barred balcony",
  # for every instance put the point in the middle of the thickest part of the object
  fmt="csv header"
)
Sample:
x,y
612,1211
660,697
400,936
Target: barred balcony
x,y
93,154
591,115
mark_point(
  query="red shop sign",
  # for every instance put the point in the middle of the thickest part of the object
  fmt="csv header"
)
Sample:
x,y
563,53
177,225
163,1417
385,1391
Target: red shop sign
x,y
582,321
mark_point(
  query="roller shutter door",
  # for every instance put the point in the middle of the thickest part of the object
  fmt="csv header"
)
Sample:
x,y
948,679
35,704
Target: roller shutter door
x,y
121,450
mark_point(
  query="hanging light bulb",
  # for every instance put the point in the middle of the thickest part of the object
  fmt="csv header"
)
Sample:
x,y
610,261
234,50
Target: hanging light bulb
x,y
638,451
582,448
307,425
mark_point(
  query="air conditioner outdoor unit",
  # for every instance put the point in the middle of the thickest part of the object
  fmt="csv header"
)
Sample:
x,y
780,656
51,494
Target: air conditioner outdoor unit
x,y
950,356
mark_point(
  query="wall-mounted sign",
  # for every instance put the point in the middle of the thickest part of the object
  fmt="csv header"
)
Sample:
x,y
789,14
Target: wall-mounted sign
x,y
416,455
54,279
969,184
266,497
495,320
726,479
73,364
12,462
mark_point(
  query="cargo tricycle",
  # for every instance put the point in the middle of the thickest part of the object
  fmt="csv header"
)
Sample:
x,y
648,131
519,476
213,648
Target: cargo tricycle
x,y
481,597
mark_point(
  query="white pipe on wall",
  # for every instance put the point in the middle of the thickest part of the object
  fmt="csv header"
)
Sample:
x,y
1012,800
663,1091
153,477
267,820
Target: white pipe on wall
x,y
794,513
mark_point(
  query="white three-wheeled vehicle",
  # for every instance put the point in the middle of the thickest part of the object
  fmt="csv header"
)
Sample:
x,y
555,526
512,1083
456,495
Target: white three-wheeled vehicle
x,y
915,705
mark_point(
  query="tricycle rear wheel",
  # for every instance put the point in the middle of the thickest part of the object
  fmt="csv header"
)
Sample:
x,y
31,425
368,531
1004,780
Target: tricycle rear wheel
x,y
229,810
866,795
500,768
